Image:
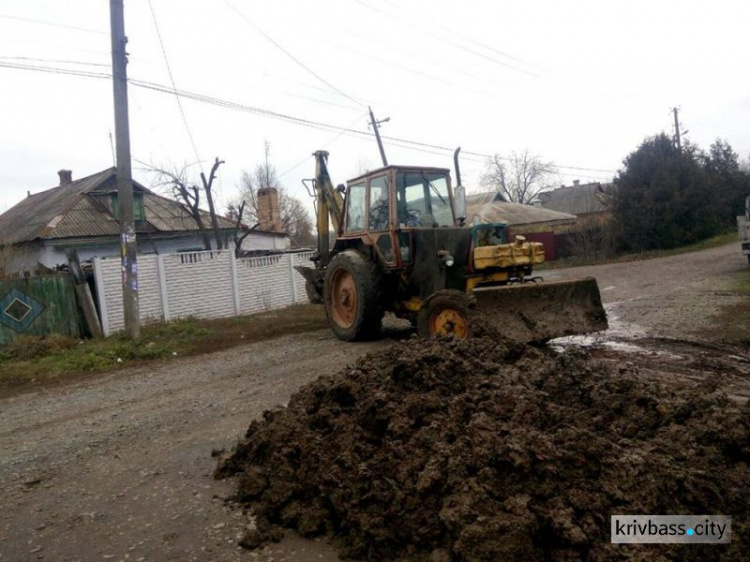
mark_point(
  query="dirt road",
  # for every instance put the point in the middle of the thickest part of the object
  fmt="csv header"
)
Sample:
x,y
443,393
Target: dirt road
x,y
118,467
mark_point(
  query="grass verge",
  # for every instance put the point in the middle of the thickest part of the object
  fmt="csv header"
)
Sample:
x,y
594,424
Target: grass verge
x,y
708,243
37,360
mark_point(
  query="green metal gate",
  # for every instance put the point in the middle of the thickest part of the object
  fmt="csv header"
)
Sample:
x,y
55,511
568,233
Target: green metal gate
x,y
38,305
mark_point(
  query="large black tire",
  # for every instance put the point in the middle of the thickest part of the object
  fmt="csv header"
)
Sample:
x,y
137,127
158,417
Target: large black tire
x,y
352,296
446,313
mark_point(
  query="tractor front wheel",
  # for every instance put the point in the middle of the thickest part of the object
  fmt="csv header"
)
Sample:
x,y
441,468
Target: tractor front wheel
x,y
352,296
447,313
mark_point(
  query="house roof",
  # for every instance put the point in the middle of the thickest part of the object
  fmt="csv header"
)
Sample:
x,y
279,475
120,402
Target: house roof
x,y
491,207
578,199
84,208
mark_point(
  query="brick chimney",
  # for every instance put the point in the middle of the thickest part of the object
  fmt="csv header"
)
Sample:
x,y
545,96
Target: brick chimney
x,y
66,176
269,212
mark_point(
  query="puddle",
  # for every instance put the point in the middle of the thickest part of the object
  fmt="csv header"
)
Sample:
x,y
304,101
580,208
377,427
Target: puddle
x,y
621,336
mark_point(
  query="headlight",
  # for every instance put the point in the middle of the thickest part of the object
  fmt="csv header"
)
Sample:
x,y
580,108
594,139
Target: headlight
x,y
446,259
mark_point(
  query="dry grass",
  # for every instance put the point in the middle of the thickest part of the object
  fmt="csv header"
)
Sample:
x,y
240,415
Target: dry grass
x,y
37,360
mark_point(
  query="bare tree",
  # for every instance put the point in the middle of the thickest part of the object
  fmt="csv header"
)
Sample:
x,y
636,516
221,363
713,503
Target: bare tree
x,y
207,189
189,193
236,213
295,220
520,176
364,165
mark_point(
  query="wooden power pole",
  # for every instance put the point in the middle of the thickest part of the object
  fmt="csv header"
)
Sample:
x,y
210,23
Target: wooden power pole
x,y
128,248
678,141
376,128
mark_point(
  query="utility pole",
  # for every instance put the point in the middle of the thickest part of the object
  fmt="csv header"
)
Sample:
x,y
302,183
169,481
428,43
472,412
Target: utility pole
x,y
376,128
128,248
675,110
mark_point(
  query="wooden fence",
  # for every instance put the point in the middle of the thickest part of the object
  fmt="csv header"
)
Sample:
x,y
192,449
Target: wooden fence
x,y
38,305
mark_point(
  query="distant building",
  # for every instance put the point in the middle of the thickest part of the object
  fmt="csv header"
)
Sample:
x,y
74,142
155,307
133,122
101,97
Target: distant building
x,y
492,207
84,214
535,223
590,202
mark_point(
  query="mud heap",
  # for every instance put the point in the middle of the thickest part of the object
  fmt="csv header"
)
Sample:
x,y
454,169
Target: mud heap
x,y
469,450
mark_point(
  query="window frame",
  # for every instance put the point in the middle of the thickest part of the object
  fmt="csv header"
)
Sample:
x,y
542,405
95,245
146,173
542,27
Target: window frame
x,y
349,190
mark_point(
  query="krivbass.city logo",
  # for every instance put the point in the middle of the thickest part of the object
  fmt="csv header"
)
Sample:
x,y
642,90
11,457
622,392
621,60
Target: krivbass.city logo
x,y
672,529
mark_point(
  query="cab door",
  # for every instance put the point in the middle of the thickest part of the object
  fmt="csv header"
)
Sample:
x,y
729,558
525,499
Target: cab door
x,y
379,215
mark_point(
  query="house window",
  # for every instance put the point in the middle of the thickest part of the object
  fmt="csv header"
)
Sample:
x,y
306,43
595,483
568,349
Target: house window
x,y
139,213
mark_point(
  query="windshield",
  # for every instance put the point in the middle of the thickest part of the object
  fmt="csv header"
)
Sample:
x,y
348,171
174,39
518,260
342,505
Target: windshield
x,y
423,199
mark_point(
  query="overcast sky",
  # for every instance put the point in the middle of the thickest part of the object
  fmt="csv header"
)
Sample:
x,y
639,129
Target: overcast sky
x,y
578,83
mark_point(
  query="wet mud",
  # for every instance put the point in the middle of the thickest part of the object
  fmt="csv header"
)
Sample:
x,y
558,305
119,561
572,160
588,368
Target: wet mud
x,y
482,451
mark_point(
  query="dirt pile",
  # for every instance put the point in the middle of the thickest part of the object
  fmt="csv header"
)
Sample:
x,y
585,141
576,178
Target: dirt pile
x,y
469,450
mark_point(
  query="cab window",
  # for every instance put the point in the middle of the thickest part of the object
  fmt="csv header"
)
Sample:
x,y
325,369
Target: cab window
x,y
423,199
379,203
355,208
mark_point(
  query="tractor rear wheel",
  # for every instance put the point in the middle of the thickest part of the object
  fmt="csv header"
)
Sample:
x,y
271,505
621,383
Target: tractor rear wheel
x,y
447,313
352,296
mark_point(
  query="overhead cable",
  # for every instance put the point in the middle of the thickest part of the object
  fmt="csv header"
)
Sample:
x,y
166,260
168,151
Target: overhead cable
x,y
406,143
291,56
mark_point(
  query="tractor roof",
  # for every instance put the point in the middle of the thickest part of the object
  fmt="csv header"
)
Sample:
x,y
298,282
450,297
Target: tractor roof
x,y
380,171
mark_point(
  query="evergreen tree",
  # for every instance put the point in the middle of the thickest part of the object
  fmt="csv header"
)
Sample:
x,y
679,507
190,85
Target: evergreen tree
x,y
729,183
663,197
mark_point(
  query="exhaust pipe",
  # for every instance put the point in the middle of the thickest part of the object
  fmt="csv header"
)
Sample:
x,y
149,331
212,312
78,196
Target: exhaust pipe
x,y
460,193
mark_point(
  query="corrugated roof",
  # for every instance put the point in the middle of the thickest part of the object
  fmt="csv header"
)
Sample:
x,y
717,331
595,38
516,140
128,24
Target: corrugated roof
x,y
577,199
490,209
83,208
167,215
38,215
484,198
84,219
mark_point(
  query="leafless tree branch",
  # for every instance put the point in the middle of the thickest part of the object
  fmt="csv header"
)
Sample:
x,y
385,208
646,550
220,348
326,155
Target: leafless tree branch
x,y
520,176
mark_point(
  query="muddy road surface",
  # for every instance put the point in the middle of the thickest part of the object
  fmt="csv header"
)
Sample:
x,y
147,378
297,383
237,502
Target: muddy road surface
x,y
118,466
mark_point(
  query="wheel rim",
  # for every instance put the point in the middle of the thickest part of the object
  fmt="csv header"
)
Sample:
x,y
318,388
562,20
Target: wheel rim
x,y
343,298
449,322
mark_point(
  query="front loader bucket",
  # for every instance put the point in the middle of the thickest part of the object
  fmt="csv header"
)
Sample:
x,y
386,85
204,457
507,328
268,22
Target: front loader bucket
x,y
538,312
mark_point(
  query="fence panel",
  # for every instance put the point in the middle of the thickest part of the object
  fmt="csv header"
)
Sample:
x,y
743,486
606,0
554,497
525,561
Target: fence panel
x,y
108,277
38,305
201,284
264,283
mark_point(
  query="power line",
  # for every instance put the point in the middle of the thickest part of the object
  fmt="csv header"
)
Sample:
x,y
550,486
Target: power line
x,y
446,39
385,62
404,143
291,56
56,70
483,155
461,84
58,61
60,25
470,39
174,86
324,145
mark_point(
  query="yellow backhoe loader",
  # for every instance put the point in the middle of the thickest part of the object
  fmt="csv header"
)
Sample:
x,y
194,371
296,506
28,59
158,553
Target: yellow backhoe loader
x,y
402,246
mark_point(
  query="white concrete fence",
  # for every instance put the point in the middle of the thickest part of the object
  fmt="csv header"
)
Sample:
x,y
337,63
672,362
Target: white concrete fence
x,y
212,284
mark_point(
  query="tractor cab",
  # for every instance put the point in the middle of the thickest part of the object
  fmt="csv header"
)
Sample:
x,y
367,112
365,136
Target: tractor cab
x,y
384,207
399,197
